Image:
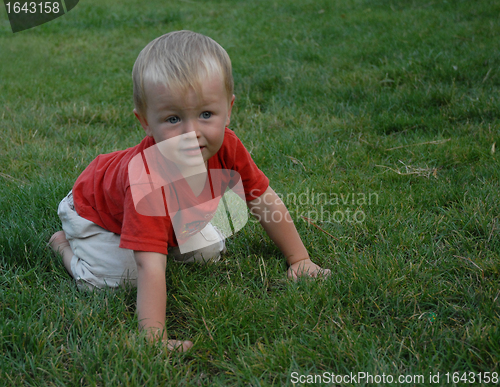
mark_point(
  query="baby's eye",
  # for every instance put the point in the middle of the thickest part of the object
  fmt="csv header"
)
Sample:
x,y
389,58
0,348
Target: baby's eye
x,y
206,115
173,119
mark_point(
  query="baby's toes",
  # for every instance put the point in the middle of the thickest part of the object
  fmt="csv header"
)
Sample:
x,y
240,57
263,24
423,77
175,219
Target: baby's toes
x,y
57,241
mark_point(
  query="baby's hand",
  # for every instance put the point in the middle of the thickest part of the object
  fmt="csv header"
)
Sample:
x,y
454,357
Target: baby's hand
x,y
177,345
306,268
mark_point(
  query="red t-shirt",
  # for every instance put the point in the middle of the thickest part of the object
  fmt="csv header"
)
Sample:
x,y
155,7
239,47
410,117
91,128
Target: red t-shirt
x,y
102,193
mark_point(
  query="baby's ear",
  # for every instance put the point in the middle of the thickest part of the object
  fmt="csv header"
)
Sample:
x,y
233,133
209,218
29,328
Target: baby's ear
x,y
229,110
144,122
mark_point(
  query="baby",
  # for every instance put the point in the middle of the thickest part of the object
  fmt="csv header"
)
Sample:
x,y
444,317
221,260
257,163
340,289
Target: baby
x,y
129,209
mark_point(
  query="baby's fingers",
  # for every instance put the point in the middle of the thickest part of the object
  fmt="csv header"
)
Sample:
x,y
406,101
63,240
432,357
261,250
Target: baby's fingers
x,y
316,272
324,273
291,274
178,345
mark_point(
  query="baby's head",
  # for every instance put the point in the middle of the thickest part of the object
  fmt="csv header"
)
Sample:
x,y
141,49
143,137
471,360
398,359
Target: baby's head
x,y
183,93
180,60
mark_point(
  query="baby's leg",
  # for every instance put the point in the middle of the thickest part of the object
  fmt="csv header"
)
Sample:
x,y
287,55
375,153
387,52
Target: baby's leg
x,y
60,245
90,253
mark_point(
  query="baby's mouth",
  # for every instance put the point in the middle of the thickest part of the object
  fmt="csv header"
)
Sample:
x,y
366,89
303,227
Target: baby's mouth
x,y
193,151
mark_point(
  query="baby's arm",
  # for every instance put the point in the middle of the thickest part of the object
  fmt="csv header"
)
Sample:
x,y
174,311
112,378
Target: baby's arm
x,y
152,297
277,222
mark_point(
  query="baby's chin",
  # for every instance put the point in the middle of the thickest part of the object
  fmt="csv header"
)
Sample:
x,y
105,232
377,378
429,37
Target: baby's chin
x,y
191,163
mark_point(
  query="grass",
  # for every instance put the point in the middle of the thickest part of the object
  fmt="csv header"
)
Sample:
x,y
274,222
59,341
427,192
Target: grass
x,y
398,100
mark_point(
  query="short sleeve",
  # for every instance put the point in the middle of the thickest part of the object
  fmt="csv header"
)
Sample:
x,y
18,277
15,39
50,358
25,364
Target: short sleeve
x,y
237,158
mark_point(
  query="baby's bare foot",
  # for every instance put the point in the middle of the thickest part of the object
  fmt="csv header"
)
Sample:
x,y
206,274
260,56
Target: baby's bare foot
x,y
58,242
60,245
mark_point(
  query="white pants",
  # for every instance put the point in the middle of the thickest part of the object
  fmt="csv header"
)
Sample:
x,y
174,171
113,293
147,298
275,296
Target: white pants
x,y
99,262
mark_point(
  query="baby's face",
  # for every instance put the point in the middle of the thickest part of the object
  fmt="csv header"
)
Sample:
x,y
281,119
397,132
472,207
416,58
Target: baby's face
x,y
192,124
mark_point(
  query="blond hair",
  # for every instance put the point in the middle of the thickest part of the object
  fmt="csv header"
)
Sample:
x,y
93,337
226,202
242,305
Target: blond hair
x,y
180,60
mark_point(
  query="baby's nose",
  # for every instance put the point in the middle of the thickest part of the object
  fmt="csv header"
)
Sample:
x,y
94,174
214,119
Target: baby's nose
x,y
190,126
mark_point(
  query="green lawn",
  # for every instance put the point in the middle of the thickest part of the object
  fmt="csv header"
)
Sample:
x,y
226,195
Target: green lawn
x,y
379,120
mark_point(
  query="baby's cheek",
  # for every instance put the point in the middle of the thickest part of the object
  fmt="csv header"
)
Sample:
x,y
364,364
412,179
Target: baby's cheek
x,y
221,140
217,139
